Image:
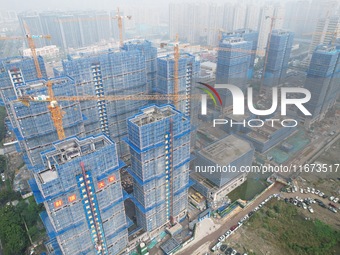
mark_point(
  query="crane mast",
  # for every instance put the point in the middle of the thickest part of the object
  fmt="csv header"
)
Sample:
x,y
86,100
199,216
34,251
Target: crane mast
x,y
31,45
119,19
176,81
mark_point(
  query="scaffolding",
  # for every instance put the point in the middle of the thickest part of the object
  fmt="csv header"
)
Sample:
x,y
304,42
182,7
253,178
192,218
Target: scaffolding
x,y
232,66
248,35
33,125
188,69
14,72
150,54
322,80
281,43
126,72
159,140
81,190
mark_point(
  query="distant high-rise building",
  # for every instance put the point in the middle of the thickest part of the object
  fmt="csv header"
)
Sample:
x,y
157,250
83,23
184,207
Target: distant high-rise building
x,y
81,190
72,29
281,43
32,21
250,36
267,13
323,77
325,30
234,16
195,22
252,16
214,23
188,68
318,9
159,140
233,61
125,72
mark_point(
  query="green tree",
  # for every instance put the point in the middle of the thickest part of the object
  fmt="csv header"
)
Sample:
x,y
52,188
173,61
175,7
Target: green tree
x,y
3,163
3,115
12,232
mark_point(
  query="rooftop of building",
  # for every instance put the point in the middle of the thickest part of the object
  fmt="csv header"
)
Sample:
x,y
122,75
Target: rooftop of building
x,y
209,64
240,31
11,60
66,150
327,48
226,150
153,114
281,32
171,56
264,133
170,246
233,40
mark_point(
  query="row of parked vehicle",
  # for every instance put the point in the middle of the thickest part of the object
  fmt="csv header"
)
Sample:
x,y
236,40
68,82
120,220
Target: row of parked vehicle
x,y
222,238
229,250
304,203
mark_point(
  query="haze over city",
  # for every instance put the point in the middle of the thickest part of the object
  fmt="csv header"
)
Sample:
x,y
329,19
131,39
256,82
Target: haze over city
x,y
163,127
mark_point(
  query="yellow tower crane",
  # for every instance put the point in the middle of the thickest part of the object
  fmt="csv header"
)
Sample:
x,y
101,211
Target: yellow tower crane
x,y
119,19
176,81
53,107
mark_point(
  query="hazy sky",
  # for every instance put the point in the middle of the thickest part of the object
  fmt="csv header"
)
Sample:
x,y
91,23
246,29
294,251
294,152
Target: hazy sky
x,y
75,4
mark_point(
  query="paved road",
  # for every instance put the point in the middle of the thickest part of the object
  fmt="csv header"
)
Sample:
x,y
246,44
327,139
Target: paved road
x,y
212,238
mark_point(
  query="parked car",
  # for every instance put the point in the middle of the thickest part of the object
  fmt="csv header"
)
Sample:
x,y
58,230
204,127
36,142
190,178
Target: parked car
x,y
312,191
332,205
331,198
223,247
233,227
332,209
301,190
335,200
221,238
310,209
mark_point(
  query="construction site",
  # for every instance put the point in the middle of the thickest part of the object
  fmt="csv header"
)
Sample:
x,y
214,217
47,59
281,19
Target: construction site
x,y
116,141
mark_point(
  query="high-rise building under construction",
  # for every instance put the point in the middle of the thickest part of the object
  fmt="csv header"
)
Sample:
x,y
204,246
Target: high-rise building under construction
x,y
130,71
323,77
159,140
281,43
233,61
250,36
80,187
188,68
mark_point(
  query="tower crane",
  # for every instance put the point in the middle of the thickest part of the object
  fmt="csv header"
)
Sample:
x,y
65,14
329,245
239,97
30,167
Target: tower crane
x,y
272,23
176,82
30,41
119,19
53,107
